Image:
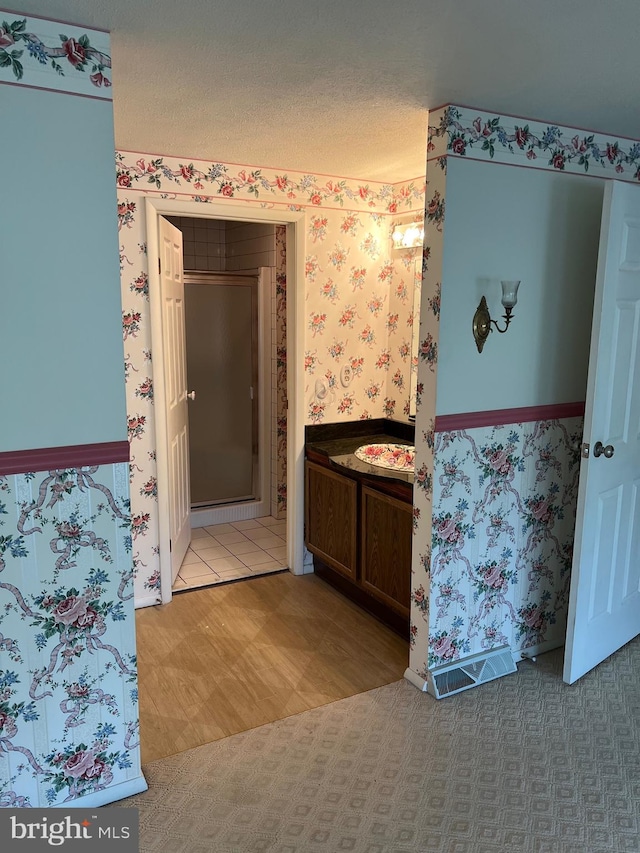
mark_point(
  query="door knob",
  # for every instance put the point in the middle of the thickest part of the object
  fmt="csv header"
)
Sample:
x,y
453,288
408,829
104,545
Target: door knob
x,y
599,449
191,395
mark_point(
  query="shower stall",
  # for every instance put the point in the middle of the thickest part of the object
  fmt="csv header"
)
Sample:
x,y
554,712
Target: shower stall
x,y
227,357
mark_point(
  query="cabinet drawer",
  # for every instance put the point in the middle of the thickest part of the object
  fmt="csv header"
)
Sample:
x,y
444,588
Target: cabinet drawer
x,y
331,518
385,563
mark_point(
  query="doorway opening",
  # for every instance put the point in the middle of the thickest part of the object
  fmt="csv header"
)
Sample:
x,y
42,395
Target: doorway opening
x,y
234,276
208,524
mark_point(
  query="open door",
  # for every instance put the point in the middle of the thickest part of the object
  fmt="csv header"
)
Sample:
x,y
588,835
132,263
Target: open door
x,y
175,381
604,602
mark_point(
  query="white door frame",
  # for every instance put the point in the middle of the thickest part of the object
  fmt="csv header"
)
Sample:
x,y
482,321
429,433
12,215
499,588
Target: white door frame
x,y
295,224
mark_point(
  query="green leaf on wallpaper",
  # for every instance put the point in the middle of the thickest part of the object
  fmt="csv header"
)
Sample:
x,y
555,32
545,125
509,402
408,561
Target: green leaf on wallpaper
x,y
5,59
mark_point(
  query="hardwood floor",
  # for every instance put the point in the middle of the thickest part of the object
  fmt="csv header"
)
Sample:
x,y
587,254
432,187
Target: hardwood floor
x,y
224,659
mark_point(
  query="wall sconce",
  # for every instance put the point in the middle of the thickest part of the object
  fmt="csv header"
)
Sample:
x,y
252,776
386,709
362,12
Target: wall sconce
x,y
482,319
407,236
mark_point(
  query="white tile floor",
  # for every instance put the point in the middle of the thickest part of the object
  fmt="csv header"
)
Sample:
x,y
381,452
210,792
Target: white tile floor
x,y
226,552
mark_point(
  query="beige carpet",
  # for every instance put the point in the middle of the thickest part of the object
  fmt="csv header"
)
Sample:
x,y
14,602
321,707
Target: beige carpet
x,y
525,763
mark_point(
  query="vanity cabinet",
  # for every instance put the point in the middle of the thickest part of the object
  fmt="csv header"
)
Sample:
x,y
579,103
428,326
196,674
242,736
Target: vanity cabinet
x,y
359,531
385,548
331,518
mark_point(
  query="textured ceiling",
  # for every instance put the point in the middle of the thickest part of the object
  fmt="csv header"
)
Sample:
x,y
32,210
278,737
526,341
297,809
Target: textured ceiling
x,y
342,86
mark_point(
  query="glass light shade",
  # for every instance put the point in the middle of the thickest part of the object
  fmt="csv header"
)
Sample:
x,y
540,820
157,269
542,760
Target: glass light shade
x,y
509,293
407,236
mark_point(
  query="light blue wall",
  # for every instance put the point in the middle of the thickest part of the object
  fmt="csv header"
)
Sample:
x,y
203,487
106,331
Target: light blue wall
x,y
504,222
61,365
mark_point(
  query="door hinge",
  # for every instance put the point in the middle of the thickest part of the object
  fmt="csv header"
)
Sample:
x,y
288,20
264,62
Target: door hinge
x,y
170,545
159,267
584,451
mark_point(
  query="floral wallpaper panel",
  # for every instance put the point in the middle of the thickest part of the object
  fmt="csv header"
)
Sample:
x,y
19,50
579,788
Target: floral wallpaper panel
x,y
68,694
504,511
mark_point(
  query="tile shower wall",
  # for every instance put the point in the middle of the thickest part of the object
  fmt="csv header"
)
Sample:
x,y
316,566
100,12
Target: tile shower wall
x,y
249,245
203,243
348,276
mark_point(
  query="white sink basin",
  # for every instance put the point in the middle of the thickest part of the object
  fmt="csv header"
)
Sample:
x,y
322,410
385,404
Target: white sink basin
x,y
396,457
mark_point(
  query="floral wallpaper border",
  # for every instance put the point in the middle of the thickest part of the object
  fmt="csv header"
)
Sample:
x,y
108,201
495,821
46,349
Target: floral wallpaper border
x,y
207,181
483,135
52,55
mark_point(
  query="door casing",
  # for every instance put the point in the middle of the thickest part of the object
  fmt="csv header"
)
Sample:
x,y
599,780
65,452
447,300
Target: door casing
x,y
295,225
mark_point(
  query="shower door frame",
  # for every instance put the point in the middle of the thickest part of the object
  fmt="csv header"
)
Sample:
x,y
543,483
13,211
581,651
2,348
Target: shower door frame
x,y
260,504
295,222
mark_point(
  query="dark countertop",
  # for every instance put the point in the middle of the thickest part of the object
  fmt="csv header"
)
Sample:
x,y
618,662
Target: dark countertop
x,y
341,452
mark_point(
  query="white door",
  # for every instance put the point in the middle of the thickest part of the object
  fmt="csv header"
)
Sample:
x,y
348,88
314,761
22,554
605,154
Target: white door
x,y
604,603
175,381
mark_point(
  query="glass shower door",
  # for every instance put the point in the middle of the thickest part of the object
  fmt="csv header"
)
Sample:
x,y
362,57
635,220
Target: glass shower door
x,y
221,315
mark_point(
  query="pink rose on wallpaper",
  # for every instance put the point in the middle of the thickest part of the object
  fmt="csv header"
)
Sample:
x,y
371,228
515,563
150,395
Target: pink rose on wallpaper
x,y
100,769
85,765
534,618
579,144
418,595
448,531
558,161
531,154
77,691
458,146
226,190
540,511
87,619
499,461
124,180
98,79
75,52
494,578
8,726
6,39
522,135
70,610
316,199
68,530
444,648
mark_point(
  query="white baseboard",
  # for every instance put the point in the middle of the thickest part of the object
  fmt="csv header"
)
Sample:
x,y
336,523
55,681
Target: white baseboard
x,y
108,795
415,679
232,512
146,601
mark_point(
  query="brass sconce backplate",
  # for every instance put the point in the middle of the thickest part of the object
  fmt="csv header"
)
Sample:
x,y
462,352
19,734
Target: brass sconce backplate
x,y
481,324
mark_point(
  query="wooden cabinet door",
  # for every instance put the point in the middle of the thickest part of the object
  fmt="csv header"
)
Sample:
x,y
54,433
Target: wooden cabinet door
x,y
331,518
385,566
